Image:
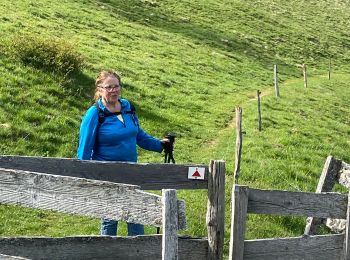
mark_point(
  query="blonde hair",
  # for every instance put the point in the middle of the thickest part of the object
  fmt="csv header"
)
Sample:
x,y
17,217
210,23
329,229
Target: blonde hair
x,y
101,77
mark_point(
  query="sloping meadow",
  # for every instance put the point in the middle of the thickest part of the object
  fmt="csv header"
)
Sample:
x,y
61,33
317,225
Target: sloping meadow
x,y
185,65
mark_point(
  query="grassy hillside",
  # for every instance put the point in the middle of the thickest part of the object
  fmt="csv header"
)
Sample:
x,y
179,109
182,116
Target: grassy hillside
x,y
185,65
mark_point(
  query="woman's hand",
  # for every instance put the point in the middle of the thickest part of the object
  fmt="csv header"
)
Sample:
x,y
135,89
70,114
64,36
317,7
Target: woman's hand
x,y
167,145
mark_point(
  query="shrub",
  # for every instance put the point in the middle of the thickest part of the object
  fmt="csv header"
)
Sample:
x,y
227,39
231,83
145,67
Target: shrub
x,y
47,54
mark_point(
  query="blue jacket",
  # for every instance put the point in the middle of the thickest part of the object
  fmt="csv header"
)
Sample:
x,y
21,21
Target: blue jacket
x,y
113,140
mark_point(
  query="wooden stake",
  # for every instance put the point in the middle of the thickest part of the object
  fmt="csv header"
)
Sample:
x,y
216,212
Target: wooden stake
x,y
305,75
259,111
329,69
170,225
275,72
239,137
216,210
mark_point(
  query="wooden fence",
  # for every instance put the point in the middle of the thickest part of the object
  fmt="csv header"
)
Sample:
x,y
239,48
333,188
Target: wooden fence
x,y
64,187
275,202
334,171
94,189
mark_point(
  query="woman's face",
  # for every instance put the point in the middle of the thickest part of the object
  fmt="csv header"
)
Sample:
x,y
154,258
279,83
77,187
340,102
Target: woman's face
x,y
110,89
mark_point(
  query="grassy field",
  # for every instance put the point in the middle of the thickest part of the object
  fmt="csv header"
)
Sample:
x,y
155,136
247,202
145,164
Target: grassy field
x,y
185,65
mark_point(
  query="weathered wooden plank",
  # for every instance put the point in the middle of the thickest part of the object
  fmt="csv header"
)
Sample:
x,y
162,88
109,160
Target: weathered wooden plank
x,y
306,247
238,221
170,225
147,176
82,196
8,257
328,178
289,203
346,250
216,210
97,247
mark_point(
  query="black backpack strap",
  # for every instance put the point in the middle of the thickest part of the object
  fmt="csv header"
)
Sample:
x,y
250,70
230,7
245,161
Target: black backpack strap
x,y
132,108
132,111
102,114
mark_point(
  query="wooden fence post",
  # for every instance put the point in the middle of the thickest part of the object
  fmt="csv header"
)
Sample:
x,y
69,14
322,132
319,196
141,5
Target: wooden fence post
x,y
239,137
216,210
347,233
238,221
259,110
327,180
305,75
275,73
170,225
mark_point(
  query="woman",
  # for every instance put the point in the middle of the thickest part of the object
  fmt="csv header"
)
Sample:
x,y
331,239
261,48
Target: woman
x,y
110,132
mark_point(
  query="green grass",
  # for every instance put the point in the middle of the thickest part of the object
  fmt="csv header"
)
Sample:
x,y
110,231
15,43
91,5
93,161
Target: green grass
x,y
185,65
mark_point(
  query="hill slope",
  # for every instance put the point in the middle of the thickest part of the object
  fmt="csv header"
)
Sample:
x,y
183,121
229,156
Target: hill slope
x,y
178,59
186,65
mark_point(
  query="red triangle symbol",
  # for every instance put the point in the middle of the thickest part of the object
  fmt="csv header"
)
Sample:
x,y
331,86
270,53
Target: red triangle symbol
x,y
196,173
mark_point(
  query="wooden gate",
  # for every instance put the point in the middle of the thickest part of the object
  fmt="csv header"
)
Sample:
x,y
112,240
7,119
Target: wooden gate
x,y
99,189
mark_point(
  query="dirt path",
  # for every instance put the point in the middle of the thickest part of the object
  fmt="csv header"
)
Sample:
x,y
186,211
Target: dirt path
x,y
267,92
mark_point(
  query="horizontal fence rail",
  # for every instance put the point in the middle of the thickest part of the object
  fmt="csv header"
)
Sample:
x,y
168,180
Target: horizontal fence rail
x,y
84,197
287,203
147,176
97,247
8,257
307,247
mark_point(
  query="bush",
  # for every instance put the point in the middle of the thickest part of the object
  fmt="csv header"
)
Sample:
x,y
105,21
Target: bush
x,y
47,54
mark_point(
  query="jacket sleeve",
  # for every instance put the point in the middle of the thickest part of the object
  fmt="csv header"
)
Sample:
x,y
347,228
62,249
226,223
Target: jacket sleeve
x,y
87,135
148,142
143,139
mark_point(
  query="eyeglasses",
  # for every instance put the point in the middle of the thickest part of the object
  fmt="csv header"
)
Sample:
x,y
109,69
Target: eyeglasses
x,y
111,88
